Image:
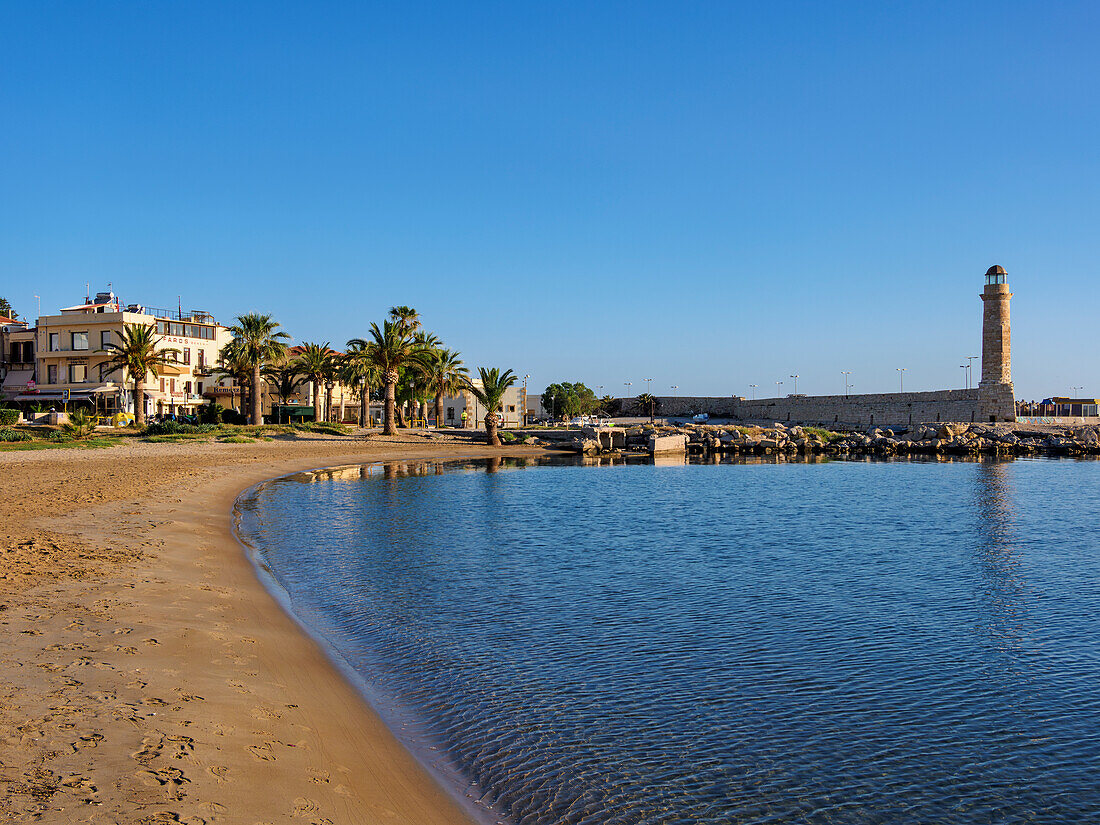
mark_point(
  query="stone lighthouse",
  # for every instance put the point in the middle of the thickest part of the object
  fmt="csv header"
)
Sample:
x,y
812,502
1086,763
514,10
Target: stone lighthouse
x,y
997,401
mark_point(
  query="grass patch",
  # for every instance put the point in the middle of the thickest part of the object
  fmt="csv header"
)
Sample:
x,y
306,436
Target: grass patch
x,y
238,439
86,444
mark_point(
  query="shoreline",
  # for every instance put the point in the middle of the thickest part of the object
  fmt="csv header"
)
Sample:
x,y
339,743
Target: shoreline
x,y
431,757
150,676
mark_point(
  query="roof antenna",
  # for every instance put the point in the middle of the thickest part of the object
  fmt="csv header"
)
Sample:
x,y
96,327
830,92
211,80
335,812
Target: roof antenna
x,y
180,299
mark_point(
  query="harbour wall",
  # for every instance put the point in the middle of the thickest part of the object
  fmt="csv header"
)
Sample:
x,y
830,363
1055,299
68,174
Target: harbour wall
x,y
895,409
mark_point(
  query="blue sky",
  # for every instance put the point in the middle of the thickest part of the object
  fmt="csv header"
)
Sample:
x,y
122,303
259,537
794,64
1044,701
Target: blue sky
x,y
706,194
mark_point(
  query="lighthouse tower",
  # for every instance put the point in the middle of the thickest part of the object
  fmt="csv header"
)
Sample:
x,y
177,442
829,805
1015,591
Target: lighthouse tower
x,y
996,397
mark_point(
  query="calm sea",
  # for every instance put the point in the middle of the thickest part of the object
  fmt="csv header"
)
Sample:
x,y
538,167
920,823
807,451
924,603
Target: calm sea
x,y
827,642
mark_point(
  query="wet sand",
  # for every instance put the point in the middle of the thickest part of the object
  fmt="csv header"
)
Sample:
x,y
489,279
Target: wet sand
x,y
146,676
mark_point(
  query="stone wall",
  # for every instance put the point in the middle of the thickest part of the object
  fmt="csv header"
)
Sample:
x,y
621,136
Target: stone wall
x,y
894,409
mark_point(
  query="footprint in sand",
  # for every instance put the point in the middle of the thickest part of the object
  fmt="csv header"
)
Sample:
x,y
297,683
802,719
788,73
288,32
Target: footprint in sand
x,y
304,807
262,752
221,773
171,779
122,631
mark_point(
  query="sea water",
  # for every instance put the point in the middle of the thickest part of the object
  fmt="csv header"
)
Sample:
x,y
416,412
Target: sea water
x,y
745,642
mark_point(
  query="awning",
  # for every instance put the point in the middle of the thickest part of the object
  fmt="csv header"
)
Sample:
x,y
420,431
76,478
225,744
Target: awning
x,y
16,380
169,369
74,395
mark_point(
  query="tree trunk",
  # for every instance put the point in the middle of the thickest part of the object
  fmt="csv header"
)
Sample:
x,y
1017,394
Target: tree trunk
x,y
491,429
257,399
424,412
391,391
439,409
328,404
316,401
401,413
139,403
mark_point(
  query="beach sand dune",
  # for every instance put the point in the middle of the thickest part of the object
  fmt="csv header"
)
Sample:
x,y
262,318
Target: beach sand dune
x,y
145,674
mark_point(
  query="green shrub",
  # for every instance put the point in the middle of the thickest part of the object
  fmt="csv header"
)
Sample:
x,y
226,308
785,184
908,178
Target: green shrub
x,y
507,438
238,439
211,413
8,435
8,417
175,428
79,426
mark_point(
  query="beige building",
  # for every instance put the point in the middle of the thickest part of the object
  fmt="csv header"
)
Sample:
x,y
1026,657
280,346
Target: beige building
x,y
71,361
511,414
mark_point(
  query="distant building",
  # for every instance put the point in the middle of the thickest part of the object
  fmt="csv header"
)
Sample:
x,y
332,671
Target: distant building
x,y
70,361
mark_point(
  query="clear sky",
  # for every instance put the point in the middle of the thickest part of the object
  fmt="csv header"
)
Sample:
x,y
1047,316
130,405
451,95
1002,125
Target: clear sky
x,y
706,194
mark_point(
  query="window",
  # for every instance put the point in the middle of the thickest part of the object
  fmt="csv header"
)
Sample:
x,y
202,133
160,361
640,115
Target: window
x,y
51,374
78,373
173,382
450,413
80,340
202,358
55,342
187,355
512,408
162,385
186,387
104,338
199,390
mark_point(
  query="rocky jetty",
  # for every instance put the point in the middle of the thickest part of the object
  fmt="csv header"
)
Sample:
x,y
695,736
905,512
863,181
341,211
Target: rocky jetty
x,y
930,439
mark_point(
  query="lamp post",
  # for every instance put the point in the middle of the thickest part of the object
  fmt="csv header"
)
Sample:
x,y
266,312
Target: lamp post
x,y
795,377
753,388
648,382
364,403
847,386
328,400
524,400
970,359
778,384
966,373
674,387
901,378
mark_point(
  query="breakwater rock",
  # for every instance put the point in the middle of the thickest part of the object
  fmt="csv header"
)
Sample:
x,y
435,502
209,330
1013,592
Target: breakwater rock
x,y
931,439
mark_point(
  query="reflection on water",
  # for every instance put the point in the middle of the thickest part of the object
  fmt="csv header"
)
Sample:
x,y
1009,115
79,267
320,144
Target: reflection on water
x,y
736,642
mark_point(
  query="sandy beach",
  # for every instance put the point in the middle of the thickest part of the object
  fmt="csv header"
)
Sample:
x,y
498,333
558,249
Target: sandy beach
x,y
146,676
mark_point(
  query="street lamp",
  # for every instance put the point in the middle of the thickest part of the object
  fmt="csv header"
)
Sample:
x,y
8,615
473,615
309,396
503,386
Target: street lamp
x,y
674,387
901,378
364,402
966,367
647,383
970,359
329,385
778,384
795,377
524,400
753,388
847,386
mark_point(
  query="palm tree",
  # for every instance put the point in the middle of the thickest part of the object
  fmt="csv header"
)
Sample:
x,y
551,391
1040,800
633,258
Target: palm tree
x,y
407,317
261,342
420,390
648,402
233,364
315,363
391,349
138,356
285,378
355,370
491,393
445,376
